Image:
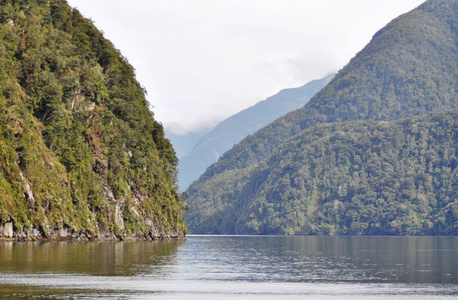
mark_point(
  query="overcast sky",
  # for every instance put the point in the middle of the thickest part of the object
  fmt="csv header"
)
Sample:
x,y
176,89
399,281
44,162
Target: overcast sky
x,y
202,61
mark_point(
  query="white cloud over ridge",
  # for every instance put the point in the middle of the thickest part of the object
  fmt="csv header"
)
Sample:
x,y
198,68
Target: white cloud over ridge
x,y
202,61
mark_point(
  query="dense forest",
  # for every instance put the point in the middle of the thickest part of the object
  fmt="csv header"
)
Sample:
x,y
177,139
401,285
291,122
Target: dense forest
x,y
408,69
366,177
233,129
80,153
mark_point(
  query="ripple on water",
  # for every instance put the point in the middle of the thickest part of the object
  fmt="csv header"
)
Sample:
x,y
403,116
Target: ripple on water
x,y
230,267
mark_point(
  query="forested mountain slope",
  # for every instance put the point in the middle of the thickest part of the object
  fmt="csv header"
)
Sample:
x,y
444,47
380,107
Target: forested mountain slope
x,y
232,130
80,153
366,177
408,69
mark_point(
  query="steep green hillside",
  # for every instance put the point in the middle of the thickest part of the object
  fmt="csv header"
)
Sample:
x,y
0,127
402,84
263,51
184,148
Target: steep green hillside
x,y
408,69
233,129
80,152
367,177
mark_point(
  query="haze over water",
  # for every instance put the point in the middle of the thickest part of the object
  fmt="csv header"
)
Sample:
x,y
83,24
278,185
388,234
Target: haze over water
x,y
241,267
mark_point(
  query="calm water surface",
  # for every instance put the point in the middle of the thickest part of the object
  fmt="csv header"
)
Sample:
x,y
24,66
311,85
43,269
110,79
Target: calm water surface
x,y
234,267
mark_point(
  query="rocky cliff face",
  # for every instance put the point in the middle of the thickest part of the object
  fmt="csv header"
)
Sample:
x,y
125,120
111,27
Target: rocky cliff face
x,y
81,156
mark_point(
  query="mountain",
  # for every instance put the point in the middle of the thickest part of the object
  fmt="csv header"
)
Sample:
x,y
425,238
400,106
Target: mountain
x,y
408,69
81,156
366,177
232,130
183,143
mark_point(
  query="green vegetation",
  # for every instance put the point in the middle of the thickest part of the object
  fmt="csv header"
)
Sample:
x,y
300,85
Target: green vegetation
x,y
370,177
79,148
408,69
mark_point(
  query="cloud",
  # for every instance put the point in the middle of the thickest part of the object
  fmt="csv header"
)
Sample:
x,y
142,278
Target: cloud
x,y
306,65
204,60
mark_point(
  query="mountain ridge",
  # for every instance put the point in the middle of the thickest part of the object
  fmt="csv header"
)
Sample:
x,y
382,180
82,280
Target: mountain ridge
x,y
233,129
321,105
407,70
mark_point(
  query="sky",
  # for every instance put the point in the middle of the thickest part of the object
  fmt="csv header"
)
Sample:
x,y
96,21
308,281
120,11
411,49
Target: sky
x,y
203,61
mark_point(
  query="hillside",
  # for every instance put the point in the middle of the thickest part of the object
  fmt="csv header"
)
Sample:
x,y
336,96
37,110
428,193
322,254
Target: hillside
x,y
81,155
408,69
233,129
366,177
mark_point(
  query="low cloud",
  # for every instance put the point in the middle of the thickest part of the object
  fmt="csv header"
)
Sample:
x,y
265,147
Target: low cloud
x,y
205,60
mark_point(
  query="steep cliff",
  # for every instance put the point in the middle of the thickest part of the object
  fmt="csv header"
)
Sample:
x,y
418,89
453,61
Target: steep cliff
x,y
81,155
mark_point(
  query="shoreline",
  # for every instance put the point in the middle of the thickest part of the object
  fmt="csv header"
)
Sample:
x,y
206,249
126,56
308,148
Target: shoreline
x,y
84,238
67,235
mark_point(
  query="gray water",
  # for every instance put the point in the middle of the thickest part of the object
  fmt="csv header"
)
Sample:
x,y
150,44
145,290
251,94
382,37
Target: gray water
x,y
234,267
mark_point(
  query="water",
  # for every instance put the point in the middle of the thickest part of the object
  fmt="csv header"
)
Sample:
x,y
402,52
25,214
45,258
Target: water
x,y
234,267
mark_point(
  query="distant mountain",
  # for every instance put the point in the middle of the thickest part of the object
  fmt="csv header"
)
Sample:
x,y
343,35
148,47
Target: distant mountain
x,y
183,143
81,156
232,130
408,69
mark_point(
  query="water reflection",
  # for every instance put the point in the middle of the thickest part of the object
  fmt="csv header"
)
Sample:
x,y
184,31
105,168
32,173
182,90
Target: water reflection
x,y
327,259
103,258
227,267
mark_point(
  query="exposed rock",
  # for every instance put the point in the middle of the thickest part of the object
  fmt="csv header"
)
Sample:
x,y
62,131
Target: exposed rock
x,y
28,190
118,217
6,230
10,22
